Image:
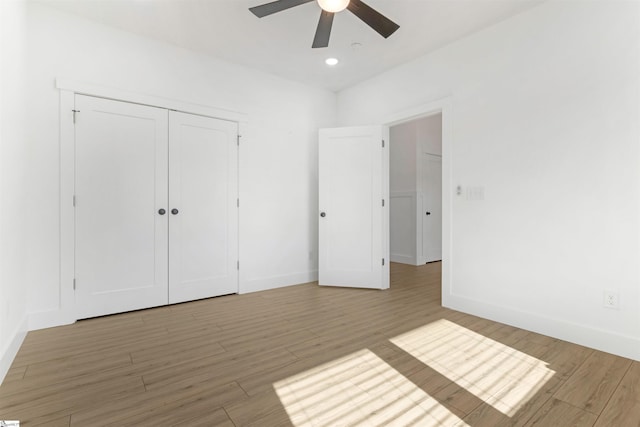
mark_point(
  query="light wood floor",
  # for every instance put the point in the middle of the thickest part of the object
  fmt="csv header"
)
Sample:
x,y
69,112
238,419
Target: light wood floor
x,y
306,355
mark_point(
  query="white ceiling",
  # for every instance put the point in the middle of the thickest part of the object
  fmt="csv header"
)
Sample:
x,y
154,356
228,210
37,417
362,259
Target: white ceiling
x,y
281,43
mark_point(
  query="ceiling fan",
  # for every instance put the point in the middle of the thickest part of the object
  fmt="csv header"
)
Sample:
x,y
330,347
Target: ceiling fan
x,y
383,25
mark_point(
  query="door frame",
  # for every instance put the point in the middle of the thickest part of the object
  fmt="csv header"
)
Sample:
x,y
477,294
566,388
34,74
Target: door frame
x,y
443,106
65,312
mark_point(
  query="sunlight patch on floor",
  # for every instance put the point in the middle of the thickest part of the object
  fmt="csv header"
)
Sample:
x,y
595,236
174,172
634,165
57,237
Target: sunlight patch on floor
x,y
359,389
498,374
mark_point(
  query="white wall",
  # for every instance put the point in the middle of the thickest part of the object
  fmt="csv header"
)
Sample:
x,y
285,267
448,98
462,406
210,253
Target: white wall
x,y
429,134
278,171
402,157
13,302
545,119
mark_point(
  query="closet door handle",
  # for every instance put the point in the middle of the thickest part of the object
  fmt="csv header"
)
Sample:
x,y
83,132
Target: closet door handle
x,y
175,211
162,212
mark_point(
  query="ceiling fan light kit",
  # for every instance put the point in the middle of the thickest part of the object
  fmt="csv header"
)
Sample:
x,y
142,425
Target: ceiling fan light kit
x,y
380,23
333,6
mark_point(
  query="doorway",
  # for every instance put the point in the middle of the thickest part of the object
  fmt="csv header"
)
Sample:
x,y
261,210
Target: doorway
x,y
415,190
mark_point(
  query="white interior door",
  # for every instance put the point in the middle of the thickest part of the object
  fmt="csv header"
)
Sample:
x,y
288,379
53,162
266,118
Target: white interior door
x,y
431,207
120,186
354,224
203,191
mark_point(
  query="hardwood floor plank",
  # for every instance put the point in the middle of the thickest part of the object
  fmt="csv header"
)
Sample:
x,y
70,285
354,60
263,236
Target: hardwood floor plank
x,y
228,367
278,418
624,406
556,413
183,410
126,339
134,408
74,366
269,340
61,400
58,422
630,384
620,412
15,373
591,386
176,350
486,415
217,417
260,409
458,399
561,357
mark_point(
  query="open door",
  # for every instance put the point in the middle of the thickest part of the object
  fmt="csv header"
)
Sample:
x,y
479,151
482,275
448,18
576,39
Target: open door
x,y
354,206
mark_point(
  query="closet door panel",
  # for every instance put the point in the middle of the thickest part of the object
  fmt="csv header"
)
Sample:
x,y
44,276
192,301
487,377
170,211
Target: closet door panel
x,y
121,184
203,224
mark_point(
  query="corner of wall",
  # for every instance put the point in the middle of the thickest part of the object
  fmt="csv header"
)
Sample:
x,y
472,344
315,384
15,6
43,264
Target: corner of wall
x,y
262,284
50,319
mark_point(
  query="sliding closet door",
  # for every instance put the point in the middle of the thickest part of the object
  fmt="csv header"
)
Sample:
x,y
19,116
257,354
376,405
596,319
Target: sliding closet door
x,y
203,191
121,191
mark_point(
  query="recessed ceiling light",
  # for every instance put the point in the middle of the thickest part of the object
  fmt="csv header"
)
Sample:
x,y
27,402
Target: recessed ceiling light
x,y
331,61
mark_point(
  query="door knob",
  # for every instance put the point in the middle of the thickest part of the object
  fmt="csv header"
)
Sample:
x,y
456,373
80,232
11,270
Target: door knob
x,y
428,213
175,211
322,214
162,212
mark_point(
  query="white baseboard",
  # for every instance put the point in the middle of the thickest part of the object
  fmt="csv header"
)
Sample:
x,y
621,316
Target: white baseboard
x,y
266,283
599,339
49,319
10,351
403,259
52,318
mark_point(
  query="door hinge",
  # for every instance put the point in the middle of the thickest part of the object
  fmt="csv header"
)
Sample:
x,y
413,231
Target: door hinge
x,y
383,143
74,284
74,200
237,265
383,203
238,202
238,139
74,115
382,261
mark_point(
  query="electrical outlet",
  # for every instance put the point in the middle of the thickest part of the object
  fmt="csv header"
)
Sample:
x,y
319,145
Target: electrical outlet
x,y
611,299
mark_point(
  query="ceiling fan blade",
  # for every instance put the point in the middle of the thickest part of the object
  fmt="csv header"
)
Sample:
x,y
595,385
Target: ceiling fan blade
x,y
323,32
276,6
383,25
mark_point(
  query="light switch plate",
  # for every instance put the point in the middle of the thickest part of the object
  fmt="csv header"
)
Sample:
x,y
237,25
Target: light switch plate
x,y
475,193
